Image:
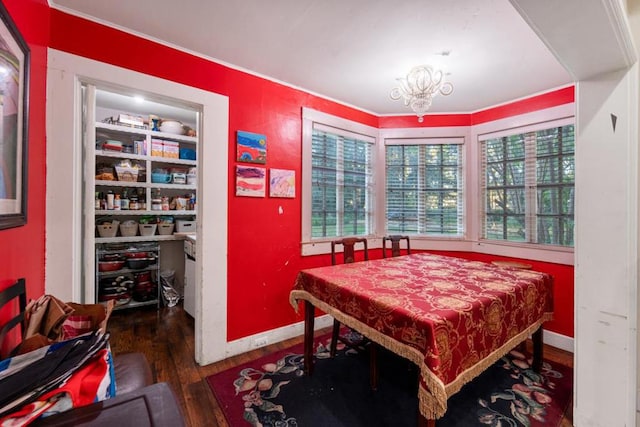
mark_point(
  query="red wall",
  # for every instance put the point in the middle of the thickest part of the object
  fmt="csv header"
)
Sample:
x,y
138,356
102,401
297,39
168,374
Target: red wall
x,y
22,248
264,245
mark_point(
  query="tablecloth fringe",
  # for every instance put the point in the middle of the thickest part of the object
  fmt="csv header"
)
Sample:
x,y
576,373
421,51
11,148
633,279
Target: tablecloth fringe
x,y
474,371
433,399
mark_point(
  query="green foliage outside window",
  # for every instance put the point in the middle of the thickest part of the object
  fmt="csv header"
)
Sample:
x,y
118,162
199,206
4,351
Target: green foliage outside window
x,y
529,187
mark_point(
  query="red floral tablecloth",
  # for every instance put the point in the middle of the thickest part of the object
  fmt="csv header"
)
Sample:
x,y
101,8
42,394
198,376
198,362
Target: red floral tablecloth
x,y
452,317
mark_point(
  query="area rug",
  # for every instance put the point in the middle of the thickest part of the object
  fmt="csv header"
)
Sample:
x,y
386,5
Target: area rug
x,y
273,392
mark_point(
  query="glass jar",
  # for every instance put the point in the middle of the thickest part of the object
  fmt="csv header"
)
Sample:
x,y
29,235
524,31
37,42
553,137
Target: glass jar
x,y
133,203
156,204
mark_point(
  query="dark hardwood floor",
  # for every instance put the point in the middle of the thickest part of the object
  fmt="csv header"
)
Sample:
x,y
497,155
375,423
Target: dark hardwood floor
x,y
165,336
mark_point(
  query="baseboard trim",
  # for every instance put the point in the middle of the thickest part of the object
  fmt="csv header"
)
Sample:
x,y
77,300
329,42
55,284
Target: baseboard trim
x,y
263,339
557,340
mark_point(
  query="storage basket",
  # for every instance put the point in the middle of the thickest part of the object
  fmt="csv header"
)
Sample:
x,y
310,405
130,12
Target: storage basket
x,y
165,229
128,230
107,230
184,226
147,229
127,174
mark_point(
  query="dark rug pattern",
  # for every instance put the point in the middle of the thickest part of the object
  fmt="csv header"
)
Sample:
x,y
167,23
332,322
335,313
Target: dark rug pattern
x,y
273,392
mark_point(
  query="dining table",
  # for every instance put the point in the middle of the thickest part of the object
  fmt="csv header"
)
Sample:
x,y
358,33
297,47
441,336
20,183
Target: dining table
x,y
450,316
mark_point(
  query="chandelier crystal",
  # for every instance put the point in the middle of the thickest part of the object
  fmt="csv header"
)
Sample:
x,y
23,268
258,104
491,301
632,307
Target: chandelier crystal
x,y
419,87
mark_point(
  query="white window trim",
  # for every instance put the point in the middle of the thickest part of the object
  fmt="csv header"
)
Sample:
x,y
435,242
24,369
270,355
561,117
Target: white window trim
x,y
309,245
529,122
472,135
444,135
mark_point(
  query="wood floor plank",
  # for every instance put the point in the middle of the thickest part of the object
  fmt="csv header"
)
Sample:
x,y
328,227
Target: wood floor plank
x,y
166,338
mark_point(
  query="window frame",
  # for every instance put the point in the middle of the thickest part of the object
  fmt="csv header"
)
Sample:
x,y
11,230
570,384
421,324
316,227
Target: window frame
x,y
485,125
530,196
311,118
462,205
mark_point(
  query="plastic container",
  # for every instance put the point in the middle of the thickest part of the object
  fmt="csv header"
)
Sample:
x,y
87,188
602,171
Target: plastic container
x,y
112,145
187,153
178,178
160,178
127,174
147,229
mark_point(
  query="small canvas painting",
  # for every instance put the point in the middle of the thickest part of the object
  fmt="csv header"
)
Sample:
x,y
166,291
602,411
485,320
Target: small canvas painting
x,y
282,183
250,181
251,147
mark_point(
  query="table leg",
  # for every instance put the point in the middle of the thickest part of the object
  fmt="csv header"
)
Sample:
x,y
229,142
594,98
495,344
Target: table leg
x,y
309,317
373,365
423,422
537,350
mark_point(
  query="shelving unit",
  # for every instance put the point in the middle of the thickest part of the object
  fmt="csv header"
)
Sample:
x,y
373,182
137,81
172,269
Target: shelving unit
x,y
147,150
129,285
144,163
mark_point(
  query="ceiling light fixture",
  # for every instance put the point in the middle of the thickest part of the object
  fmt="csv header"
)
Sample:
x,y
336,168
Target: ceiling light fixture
x,y
419,87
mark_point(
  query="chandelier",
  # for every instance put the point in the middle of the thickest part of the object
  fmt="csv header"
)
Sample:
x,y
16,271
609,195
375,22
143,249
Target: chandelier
x,y
419,87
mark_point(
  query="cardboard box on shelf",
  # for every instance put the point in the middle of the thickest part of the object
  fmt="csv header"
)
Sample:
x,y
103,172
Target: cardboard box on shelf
x,y
171,149
140,147
157,147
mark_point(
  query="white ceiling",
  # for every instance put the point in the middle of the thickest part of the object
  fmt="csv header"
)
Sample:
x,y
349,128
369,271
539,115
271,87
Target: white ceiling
x,y
352,50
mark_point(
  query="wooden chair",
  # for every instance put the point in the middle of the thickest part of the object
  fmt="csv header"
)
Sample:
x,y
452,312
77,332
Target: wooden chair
x,y
349,256
395,240
349,249
17,290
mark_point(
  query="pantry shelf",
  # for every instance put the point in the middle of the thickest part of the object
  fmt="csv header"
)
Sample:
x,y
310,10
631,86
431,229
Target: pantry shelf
x,y
145,212
154,238
155,159
145,132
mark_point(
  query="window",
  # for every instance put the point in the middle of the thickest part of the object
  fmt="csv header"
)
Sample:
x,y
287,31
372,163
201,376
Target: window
x,y
341,196
528,187
424,188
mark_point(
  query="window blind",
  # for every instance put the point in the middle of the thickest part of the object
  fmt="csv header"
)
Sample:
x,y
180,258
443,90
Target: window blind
x,y
425,189
342,183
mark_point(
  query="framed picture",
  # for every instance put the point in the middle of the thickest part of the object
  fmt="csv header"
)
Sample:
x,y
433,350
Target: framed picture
x,y
250,181
282,183
14,96
251,147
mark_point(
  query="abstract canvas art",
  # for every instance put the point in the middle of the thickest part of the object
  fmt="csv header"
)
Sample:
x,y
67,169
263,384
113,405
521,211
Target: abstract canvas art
x,y
282,183
251,147
250,181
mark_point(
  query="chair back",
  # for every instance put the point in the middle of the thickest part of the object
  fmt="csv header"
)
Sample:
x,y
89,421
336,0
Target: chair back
x,y
395,240
17,290
349,250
